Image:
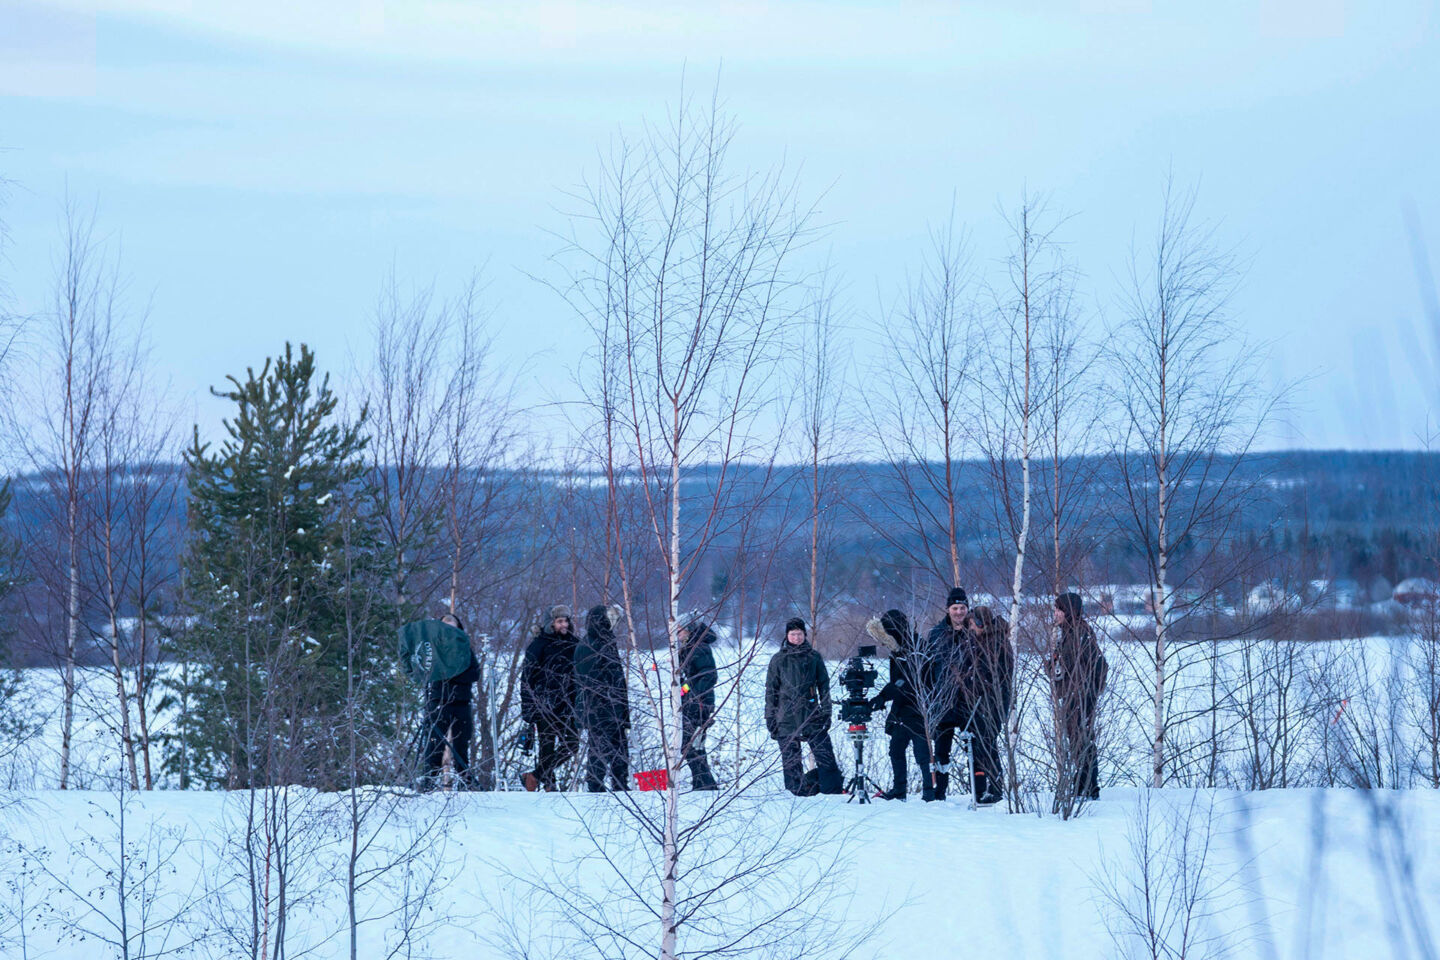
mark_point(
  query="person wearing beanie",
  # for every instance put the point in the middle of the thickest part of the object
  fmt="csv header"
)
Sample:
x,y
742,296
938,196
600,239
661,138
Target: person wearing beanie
x,y
990,691
797,710
949,651
905,723
1078,671
697,699
547,698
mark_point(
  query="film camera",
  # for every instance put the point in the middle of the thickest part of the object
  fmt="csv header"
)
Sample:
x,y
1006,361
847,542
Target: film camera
x,y
857,677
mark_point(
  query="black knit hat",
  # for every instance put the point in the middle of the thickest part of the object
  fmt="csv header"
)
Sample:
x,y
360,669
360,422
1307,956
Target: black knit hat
x,y
1071,605
957,595
795,623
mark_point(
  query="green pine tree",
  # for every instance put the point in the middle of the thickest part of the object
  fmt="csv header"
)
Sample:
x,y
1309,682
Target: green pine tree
x,y
286,579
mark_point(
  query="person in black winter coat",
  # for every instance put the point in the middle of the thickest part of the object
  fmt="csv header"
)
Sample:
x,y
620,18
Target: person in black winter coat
x,y
906,697
547,697
990,691
797,710
697,703
603,701
949,647
1078,672
450,721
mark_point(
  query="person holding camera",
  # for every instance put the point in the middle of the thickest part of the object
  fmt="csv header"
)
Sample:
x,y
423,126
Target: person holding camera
x,y
949,664
547,698
990,690
797,710
905,723
697,703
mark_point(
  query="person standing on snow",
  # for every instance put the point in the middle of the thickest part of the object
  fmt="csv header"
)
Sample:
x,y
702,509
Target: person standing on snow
x,y
949,650
990,690
449,719
547,697
797,710
697,704
603,701
905,723
1078,672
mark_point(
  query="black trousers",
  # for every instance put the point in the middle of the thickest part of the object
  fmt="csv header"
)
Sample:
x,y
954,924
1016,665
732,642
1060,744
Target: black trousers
x,y
557,740
986,765
449,721
695,724
901,737
609,754
1077,722
792,761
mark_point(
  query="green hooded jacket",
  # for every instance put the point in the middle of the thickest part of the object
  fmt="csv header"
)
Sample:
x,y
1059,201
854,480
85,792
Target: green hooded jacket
x,y
432,651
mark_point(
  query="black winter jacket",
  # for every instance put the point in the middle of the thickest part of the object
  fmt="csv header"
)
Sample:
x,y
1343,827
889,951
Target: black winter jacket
x,y
602,696
547,678
457,688
697,670
949,653
1077,666
797,692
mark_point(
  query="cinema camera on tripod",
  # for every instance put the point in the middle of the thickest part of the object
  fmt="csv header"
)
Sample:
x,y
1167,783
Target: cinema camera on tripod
x,y
857,677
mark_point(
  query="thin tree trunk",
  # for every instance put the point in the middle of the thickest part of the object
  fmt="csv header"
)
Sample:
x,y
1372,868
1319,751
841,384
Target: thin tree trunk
x,y
72,628
673,734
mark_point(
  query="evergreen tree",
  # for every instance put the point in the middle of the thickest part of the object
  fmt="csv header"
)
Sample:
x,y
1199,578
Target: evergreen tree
x,y
286,577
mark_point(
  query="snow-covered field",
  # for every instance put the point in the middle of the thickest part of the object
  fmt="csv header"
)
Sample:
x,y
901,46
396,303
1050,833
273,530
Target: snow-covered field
x,y
1292,873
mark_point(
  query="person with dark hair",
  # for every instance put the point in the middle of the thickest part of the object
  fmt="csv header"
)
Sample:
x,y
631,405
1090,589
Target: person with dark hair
x,y
949,649
905,724
547,697
603,701
797,710
1078,672
450,721
990,690
697,699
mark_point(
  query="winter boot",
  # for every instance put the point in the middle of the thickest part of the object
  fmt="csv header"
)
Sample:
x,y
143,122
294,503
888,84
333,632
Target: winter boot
x,y
942,782
928,795
894,793
532,782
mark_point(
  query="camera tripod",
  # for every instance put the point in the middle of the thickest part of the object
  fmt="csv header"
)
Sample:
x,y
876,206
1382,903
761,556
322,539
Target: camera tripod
x,y
859,786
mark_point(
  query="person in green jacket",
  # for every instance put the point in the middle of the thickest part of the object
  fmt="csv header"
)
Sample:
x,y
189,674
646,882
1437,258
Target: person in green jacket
x,y
797,710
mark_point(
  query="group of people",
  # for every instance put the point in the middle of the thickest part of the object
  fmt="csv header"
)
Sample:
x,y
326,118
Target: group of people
x,y
958,679
573,683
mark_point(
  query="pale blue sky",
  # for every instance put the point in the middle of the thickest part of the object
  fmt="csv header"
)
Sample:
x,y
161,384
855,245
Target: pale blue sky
x,y
264,163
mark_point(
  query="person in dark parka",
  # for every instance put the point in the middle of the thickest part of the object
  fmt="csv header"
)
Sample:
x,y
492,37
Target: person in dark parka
x,y
450,721
797,710
949,648
603,701
547,697
1078,672
697,703
905,724
990,692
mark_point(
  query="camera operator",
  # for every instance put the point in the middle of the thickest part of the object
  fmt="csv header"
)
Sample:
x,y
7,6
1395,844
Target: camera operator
x,y
797,709
949,652
990,690
905,723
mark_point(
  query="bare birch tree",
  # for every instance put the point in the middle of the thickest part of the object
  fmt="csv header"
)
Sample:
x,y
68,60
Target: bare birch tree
x,y
689,288
1190,411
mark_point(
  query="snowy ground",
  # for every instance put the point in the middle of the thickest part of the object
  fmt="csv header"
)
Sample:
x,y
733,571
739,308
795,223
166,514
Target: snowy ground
x,y
1293,874
1290,874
